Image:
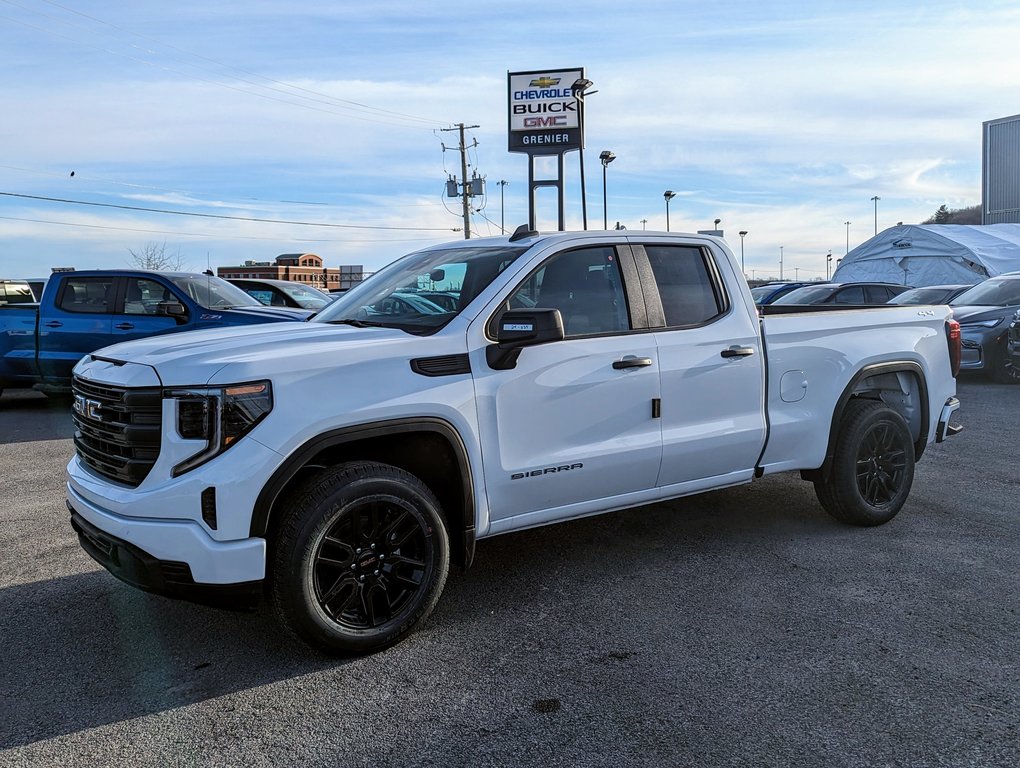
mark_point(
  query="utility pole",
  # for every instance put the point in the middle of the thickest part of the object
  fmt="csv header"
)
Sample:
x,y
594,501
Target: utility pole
x,y
466,191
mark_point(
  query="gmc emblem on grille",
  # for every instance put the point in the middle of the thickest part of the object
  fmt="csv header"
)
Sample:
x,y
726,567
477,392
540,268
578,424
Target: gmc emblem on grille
x,y
89,409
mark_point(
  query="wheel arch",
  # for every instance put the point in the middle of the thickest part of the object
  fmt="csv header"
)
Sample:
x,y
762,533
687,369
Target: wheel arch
x,y
901,385
429,448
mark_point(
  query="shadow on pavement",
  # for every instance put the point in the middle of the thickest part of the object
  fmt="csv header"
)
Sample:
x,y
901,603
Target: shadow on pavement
x,y
86,650
27,416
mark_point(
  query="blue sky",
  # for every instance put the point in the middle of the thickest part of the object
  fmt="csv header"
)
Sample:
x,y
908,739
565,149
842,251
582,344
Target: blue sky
x,y
780,118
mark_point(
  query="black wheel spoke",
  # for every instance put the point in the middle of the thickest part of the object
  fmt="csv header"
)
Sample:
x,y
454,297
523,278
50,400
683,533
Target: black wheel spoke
x,y
881,461
372,562
339,596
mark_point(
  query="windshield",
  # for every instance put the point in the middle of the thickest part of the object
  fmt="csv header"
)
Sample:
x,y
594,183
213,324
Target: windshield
x,y
933,295
307,298
995,292
810,294
213,292
404,295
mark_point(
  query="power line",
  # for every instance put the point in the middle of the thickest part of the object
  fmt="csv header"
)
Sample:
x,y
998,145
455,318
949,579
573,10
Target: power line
x,y
238,69
222,216
350,113
216,236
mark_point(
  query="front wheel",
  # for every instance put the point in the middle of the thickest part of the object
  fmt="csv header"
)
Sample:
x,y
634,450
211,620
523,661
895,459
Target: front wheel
x,y
360,559
872,468
1003,370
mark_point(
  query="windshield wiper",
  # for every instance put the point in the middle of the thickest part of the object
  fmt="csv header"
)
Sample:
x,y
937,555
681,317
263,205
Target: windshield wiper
x,y
357,323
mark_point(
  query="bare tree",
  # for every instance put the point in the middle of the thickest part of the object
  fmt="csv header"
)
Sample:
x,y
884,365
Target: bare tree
x,y
155,256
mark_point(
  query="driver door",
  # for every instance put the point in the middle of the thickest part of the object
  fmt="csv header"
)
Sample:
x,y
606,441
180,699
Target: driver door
x,y
571,426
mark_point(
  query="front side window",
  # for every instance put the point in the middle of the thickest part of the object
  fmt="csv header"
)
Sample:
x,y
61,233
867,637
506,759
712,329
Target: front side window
x,y
143,297
87,294
584,285
686,288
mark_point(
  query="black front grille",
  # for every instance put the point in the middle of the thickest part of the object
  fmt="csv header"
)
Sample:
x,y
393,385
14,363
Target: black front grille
x,y
117,429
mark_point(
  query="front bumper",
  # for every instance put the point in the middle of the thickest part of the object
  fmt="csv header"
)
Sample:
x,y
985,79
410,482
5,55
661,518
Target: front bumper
x,y
170,578
977,347
209,562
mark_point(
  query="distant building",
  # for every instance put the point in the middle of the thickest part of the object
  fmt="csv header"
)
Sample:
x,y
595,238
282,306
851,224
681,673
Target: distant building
x,y
1000,171
303,268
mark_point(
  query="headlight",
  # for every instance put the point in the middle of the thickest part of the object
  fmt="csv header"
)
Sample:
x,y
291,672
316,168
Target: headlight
x,y
983,323
218,415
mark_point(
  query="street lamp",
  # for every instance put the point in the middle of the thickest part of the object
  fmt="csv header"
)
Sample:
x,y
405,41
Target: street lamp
x,y
780,262
606,157
716,222
847,236
742,233
875,200
828,264
643,222
669,194
579,90
502,220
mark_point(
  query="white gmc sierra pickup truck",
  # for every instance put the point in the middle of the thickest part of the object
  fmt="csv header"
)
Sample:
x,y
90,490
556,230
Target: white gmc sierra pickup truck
x,y
339,465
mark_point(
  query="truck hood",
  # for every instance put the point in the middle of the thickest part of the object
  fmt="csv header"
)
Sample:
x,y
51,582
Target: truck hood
x,y
973,313
194,358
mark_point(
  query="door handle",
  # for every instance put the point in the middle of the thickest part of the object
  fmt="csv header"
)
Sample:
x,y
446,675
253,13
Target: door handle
x,y
736,351
54,324
124,326
632,362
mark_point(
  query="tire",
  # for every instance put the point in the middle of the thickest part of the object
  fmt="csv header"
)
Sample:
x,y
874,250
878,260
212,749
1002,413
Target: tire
x,y
1003,371
872,468
360,558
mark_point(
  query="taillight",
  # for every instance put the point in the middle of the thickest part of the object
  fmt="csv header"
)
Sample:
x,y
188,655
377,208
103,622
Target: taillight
x,y
953,337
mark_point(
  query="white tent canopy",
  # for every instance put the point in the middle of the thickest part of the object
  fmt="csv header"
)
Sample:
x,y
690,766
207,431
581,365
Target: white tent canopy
x,y
933,254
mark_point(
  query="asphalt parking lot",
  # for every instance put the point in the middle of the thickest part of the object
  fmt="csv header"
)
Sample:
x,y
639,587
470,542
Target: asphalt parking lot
x,y
736,628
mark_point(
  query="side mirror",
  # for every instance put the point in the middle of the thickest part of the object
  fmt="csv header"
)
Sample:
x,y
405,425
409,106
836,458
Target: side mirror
x,y
519,328
173,309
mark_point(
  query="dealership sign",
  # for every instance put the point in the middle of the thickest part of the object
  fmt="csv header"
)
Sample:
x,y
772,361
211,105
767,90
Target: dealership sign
x,y
544,111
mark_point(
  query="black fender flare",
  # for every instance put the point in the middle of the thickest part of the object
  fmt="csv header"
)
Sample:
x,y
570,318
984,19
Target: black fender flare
x,y
300,458
877,369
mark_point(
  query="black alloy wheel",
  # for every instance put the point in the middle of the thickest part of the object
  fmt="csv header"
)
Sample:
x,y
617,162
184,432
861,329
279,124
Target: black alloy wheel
x,y
372,560
359,558
881,465
872,467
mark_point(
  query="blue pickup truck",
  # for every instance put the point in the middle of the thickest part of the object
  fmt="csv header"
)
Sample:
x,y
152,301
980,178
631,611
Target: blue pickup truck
x,y
80,312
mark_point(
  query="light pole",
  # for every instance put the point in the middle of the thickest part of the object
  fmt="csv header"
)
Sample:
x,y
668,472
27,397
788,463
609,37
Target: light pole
x,y
742,233
716,222
875,200
669,194
828,264
847,236
502,220
606,157
643,222
580,89
780,262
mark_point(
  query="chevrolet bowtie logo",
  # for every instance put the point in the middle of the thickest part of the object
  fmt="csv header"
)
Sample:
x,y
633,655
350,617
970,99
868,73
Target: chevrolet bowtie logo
x,y
544,82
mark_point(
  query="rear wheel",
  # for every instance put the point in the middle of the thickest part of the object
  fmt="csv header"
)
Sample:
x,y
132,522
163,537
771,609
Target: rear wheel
x,y
361,558
872,468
